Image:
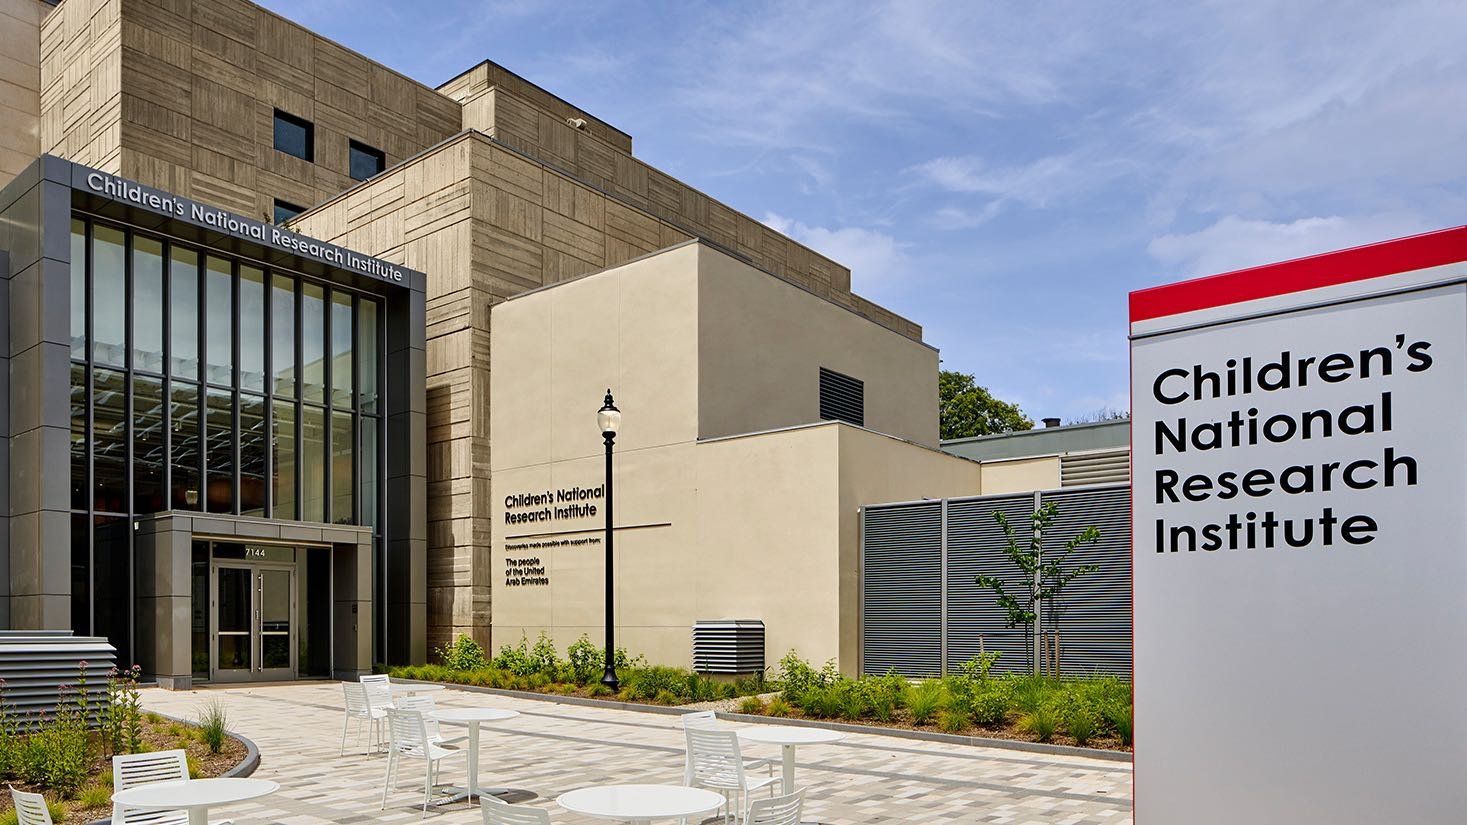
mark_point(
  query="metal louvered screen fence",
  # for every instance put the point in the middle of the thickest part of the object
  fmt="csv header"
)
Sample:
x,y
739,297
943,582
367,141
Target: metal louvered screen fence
x,y
923,614
901,590
34,664
842,398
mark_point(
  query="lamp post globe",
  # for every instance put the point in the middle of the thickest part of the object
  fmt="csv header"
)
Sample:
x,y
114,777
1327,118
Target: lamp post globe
x,y
608,420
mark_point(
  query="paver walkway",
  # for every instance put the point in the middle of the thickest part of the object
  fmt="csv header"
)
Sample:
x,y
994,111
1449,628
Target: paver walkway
x,y
552,748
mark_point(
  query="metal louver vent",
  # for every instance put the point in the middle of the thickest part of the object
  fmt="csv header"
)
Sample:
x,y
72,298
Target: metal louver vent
x,y
901,589
1108,467
35,663
842,398
728,646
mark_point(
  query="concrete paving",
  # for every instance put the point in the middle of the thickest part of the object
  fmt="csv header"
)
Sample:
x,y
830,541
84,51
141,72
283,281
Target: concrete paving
x,y
552,748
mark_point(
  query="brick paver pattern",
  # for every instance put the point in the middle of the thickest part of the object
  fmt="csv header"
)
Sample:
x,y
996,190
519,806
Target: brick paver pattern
x,y
551,748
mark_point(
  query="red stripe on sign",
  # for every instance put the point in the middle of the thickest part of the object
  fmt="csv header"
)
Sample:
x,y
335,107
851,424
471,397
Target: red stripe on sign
x,y
1445,246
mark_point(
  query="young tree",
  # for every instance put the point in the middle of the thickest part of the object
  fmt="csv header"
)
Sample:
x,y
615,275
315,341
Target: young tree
x,y
965,409
1042,576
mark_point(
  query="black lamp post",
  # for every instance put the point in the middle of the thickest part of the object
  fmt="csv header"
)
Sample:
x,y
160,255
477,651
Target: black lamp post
x,y
608,418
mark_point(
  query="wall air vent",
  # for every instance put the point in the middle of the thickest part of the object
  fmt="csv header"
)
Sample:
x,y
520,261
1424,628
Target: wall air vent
x,y
842,398
728,646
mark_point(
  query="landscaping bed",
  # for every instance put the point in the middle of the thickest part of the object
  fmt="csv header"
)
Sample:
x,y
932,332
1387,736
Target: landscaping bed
x,y
1089,712
70,762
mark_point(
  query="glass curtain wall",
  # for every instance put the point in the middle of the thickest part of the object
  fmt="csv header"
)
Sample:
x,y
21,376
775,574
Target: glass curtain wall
x,y
202,382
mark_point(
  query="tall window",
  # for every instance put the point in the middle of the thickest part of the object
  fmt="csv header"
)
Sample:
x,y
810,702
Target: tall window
x,y
295,136
203,382
365,161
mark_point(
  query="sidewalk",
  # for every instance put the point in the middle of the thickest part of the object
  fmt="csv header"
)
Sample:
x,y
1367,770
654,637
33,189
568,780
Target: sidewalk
x,y
550,749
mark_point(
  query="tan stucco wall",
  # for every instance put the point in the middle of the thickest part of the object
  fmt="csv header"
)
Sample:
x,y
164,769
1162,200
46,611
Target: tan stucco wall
x,y
754,526
1021,475
764,341
20,85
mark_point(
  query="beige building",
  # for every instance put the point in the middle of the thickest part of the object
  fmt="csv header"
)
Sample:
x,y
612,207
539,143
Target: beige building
x,y
733,499
720,337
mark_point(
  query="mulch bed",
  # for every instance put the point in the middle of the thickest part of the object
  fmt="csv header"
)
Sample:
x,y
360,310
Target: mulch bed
x,y
159,734
902,720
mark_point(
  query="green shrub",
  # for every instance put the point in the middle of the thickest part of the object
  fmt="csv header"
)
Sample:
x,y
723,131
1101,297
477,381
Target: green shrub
x,y
1041,723
953,721
882,706
195,770
599,690
1030,692
990,704
213,723
95,796
778,707
463,653
979,666
543,657
1080,722
797,677
1118,716
122,721
105,778
849,699
515,659
665,697
924,701
587,661
751,704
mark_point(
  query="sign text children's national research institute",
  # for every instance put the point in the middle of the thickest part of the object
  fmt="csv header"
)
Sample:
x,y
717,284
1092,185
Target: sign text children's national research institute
x,y
1370,370
125,190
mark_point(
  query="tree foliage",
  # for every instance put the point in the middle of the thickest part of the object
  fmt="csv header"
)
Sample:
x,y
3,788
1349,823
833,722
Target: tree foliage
x,y
1042,576
965,409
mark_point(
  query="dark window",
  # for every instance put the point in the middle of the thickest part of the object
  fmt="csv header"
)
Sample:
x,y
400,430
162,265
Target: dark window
x,y
842,398
294,136
366,162
285,210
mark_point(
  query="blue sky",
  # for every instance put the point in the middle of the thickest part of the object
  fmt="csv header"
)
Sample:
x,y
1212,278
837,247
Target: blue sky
x,y
1002,173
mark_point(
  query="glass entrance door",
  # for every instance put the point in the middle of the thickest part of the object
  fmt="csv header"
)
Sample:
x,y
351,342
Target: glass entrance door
x,y
255,620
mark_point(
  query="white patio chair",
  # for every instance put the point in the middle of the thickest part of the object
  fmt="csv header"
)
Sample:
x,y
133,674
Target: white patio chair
x,y
714,762
130,770
708,720
498,812
379,690
426,706
30,808
777,810
409,740
366,716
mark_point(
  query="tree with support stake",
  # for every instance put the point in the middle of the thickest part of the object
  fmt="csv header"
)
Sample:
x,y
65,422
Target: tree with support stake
x,y
1043,576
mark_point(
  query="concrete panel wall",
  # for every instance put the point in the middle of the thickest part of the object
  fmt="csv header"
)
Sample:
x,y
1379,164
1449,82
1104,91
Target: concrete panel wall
x,y
20,84
1020,475
182,97
35,215
764,341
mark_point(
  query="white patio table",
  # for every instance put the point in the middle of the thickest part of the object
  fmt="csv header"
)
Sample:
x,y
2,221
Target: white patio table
x,y
196,796
640,804
472,717
410,689
788,737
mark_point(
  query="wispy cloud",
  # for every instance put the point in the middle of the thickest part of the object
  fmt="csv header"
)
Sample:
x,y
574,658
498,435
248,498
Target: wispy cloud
x,y
875,258
1234,243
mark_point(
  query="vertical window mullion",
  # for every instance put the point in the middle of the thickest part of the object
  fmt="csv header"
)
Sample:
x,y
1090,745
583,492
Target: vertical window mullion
x,y
234,370
128,428
167,374
328,396
298,469
91,473
267,307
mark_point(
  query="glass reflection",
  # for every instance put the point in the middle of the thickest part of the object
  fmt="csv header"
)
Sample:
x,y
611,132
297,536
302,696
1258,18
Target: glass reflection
x,y
147,444
313,464
219,321
284,460
282,335
79,491
183,282
367,353
184,415
343,478
313,342
219,459
147,303
369,471
109,441
343,395
251,328
251,455
109,296
78,289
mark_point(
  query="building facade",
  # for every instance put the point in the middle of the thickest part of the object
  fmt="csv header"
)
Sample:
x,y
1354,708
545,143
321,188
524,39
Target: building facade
x,y
356,429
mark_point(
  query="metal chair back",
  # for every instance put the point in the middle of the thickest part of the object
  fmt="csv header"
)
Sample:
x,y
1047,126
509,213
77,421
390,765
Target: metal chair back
x,y
30,808
498,812
778,810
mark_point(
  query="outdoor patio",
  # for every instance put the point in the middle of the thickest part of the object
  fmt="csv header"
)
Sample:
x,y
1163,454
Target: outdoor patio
x,y
553,748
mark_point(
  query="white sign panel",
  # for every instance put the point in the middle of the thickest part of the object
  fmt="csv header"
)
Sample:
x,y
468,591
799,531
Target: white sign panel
x,y
1300,477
